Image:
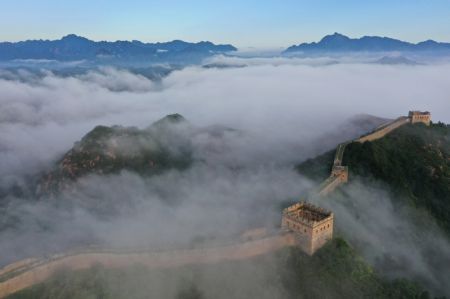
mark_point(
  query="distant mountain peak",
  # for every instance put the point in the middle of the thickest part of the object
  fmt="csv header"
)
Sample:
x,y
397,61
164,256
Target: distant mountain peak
x,y
74,47
338,42
173,118
70,36
392,60
74,37
428,43
170,119
335,37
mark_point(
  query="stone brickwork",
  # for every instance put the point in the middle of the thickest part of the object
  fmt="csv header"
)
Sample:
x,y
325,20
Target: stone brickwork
x,y
384,130
339,173
420,117
311,225
339,176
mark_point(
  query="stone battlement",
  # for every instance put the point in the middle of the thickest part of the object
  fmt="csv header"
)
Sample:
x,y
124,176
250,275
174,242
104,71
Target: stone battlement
x,y
420,117
413,118
312,226
307,214
385,129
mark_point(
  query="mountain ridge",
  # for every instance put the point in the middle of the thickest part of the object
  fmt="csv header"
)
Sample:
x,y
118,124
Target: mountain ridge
x,y
341,43
73,47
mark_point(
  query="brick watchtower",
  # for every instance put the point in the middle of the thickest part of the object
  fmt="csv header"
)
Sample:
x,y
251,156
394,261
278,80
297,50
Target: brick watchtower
x,y
312,226
419,117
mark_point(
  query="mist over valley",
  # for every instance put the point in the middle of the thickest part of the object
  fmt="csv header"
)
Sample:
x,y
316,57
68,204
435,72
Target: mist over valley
x,y
168,156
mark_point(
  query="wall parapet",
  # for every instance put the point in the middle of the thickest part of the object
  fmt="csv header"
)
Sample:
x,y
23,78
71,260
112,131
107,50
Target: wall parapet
x,y
385,129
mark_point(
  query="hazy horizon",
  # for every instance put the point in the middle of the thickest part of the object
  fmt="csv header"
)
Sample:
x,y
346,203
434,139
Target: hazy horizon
x,y
262,25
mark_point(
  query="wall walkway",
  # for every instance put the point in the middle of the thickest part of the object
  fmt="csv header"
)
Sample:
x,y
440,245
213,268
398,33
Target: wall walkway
x,y
19,278
382,131
339,173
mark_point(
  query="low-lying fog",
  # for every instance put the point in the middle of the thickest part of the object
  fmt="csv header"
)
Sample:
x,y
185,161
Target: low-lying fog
x,y
287,112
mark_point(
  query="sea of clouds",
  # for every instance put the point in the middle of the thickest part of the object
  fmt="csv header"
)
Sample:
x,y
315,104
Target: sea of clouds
x,y
284,110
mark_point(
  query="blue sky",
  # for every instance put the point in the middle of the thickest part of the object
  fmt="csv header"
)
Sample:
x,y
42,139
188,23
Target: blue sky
x,y
263,23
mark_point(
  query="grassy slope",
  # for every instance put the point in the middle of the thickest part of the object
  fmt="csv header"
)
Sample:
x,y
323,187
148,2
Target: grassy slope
x,y
334,272
414,161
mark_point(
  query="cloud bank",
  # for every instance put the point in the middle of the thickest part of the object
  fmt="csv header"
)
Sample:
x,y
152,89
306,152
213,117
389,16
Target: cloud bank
x,y
289,103
283,112
398,240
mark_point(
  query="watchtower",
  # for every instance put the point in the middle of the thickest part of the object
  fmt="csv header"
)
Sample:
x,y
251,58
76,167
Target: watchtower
x,y
341,172
420,117
312,226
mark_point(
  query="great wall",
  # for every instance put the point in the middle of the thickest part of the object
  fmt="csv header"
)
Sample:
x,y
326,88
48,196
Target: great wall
x,y
339,173
303,225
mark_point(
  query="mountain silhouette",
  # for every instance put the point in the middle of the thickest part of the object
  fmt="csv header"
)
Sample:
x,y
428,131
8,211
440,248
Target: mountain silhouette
x,y
340,43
